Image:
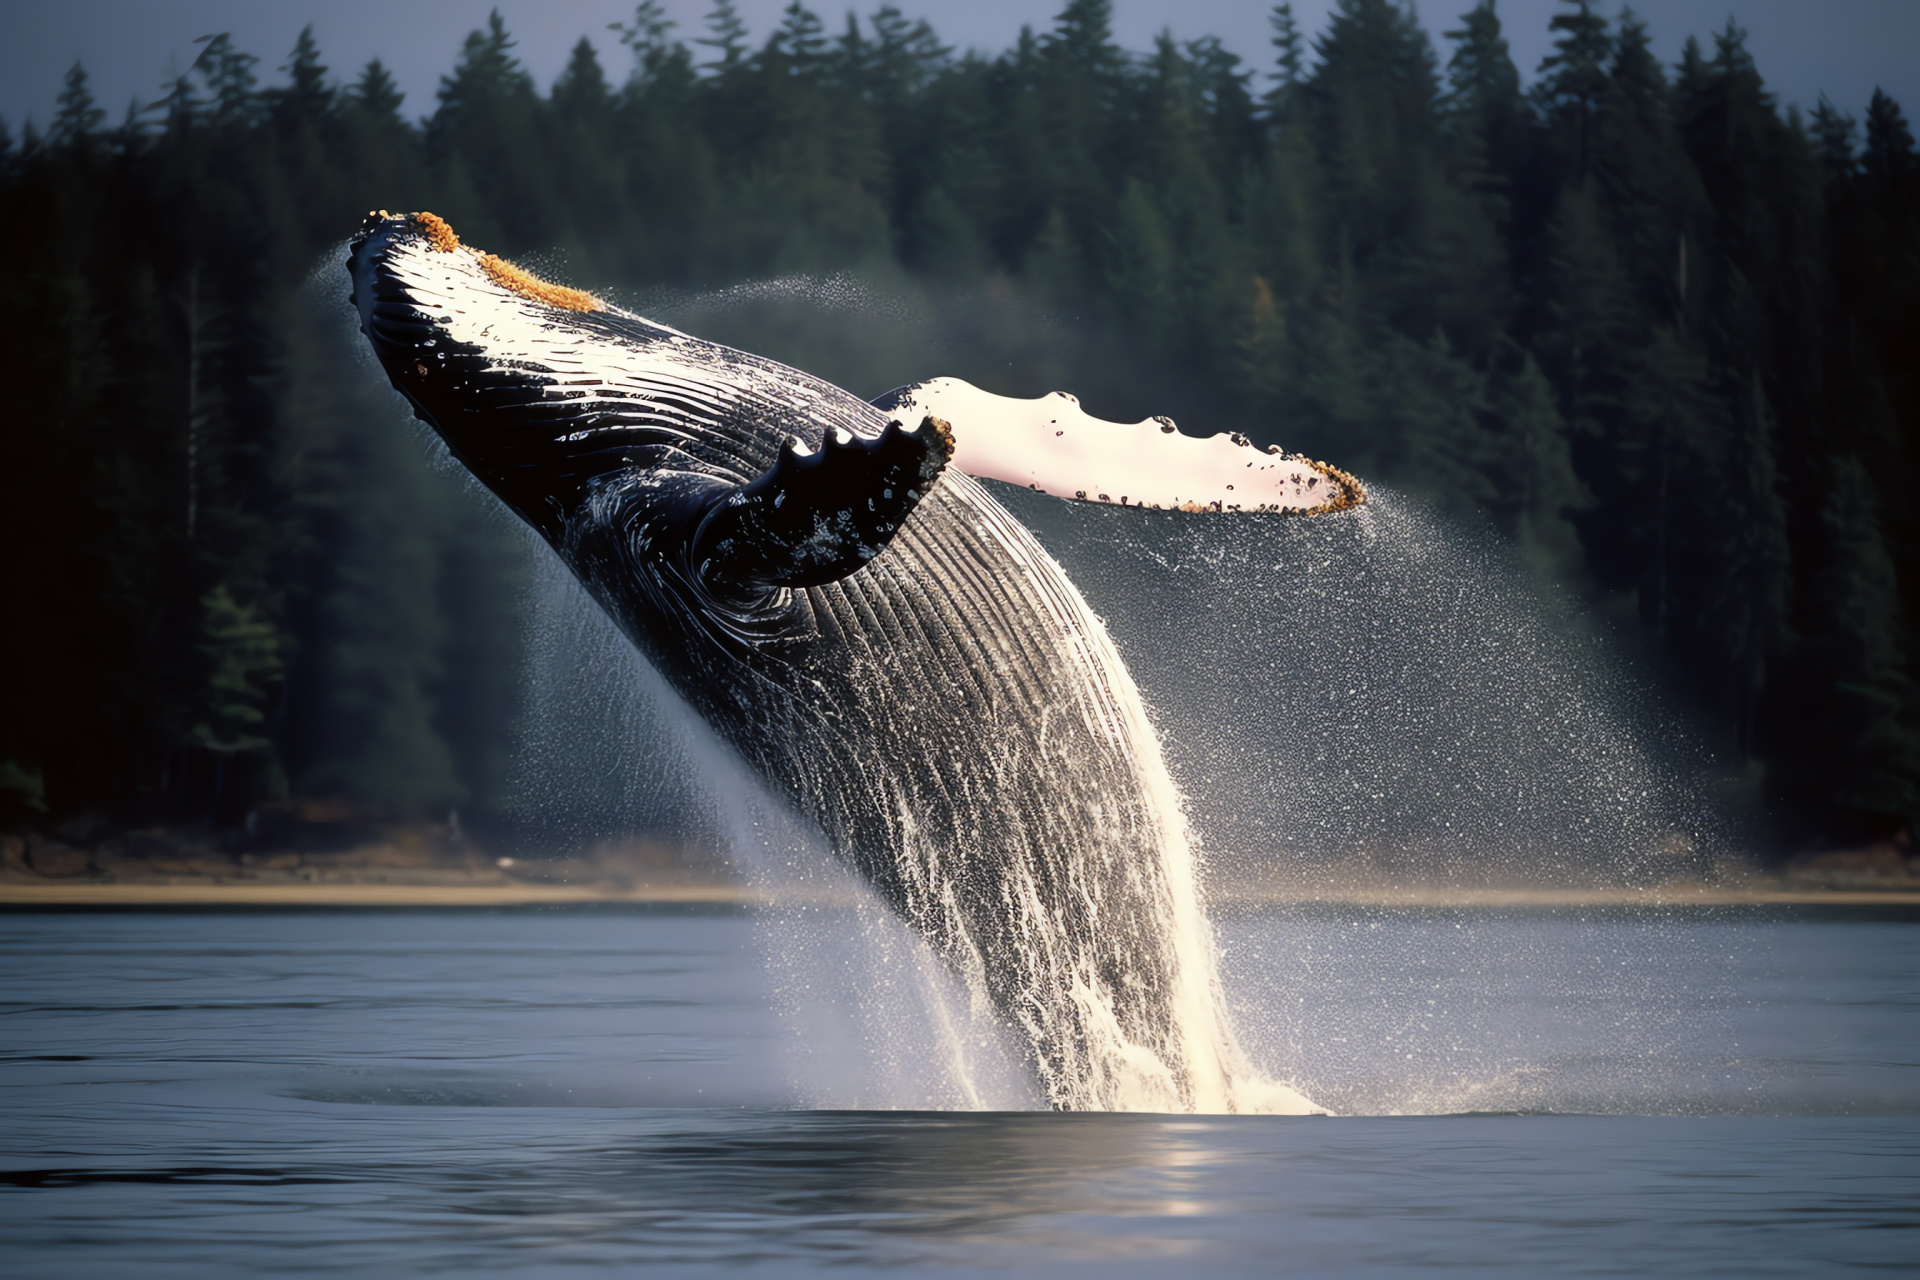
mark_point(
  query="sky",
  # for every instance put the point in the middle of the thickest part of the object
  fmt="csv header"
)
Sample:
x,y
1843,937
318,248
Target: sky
x,y
1802,47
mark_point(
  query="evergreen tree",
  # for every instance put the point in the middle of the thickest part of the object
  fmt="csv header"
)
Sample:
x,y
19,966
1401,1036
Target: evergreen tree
x,y
486,138
1289,62
376,94
1487,115
1082,39
798,45
656,56
308,96
1372,102
1834,132
1572,79
580,95
243,666
1737,560
727,37
898,63
1861,703
75,118
228,74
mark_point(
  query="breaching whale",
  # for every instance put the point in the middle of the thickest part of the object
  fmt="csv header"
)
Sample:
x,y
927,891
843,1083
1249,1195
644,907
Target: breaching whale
x,y
824,581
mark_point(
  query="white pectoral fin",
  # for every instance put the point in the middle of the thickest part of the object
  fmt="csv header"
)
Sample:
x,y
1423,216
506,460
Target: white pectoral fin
x,y
1053,445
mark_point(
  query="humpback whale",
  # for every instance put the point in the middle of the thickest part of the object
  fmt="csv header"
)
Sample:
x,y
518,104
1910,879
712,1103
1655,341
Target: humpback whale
x,y
825,581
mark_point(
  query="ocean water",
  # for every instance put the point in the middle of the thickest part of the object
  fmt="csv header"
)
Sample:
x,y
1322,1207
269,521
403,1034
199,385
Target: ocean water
x,y
611,1092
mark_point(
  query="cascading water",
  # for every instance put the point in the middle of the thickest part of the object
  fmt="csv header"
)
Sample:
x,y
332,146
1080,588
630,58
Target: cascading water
x,y
975,748
1387,696
1489,741
880,1020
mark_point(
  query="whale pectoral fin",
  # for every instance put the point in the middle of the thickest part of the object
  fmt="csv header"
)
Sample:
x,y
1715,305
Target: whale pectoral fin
x,y
1052,445
813,518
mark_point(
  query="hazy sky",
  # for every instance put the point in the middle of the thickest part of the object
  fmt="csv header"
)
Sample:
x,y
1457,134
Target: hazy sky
x,y
1803,47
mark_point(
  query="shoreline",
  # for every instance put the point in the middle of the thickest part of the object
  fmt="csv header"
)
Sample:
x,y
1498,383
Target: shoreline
x,y
16,895
311,858
368,894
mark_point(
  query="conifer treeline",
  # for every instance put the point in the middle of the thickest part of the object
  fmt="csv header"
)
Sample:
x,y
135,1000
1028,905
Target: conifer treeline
x,y
1663,334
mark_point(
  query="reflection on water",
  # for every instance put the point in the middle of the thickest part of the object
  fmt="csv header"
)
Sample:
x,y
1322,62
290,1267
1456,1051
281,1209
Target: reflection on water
x,y
480,1092
1022,1191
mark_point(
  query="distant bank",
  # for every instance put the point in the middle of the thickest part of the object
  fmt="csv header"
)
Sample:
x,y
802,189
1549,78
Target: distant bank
x,y
426,865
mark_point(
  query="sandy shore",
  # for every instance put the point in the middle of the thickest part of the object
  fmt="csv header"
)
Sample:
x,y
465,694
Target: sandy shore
x,y
1533,897
423,865
71,894
134,894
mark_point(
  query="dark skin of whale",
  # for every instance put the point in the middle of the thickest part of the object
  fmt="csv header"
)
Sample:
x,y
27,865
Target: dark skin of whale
x,y
872,633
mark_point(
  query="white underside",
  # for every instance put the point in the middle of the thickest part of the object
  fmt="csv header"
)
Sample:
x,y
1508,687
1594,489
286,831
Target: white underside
x,y
1051,444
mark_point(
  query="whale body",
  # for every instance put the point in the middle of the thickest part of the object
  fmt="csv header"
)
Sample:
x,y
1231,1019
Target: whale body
x,y
875,635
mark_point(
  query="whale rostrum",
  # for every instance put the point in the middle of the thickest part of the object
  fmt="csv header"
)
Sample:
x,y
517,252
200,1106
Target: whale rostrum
x,y
822,580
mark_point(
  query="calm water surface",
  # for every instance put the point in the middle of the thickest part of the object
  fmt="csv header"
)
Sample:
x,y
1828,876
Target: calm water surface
x,y
606,1092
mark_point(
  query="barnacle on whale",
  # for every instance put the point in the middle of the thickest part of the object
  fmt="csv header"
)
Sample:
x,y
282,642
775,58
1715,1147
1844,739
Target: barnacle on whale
x,y
441,237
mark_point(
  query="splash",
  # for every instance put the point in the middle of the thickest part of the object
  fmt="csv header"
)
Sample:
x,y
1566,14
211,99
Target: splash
x,y
880,1016
1390,696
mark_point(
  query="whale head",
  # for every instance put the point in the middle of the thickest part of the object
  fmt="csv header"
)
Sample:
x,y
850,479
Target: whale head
x,y
493,358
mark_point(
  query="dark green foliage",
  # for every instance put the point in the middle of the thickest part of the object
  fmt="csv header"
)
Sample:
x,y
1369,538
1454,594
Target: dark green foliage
x,y
242,670
726,36
75,117
1663,335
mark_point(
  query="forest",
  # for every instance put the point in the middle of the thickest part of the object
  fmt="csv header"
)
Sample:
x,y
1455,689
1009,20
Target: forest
x,y
1660,332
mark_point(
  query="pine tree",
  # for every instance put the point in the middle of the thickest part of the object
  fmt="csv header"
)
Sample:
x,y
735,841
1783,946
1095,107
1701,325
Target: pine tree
x,y
654,52
1738,563
242,654
1487,116
727,37
898,63
1079,81
1834,132
1572,80
1223,98
1538,499
1373,102
228,74
379,151
1861,710
1424,252
1431,412
376,94
1082,38
486,137
1289,63
76,119
308,96
580,95
798,45
1889,154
